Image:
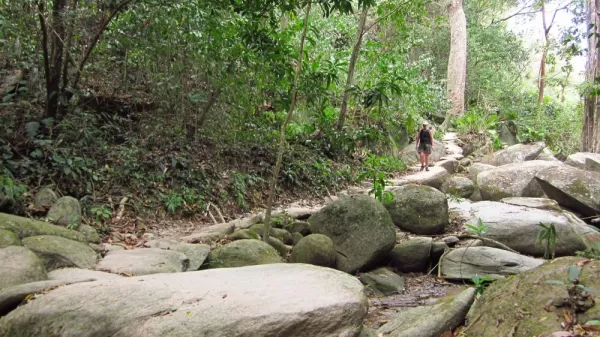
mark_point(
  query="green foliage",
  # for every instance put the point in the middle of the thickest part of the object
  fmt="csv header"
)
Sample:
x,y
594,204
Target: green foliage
x,y
547,234
480,283
480,229
377,170
592,252
11,192
101,213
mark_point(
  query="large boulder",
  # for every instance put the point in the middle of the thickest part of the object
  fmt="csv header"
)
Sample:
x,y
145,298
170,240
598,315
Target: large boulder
x,y
571,187
477,168
383,281
412,255
430,320
464,263
458,186
20,265
513,180
243,253
58,252
435,177
419,209
44,199
518,227
514,154
531,295
579,159
409,154
65,211
271,300
195,253
143,261
361,229
25,227
8,238
317,249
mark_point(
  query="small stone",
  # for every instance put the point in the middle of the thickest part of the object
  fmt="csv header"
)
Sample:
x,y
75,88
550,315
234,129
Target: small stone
x,y
65,212
90,233
44,199
383,281
451,240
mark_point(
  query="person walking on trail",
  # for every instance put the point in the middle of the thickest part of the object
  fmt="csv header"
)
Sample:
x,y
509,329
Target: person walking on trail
x,y
424,145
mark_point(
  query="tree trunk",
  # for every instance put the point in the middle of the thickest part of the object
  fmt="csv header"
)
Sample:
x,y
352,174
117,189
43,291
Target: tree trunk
x,y
457,62
294,97
590,141
352,66
542,72
56,57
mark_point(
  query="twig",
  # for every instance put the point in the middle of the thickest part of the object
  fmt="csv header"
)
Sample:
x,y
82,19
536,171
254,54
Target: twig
x,y
212,217
121,208
501,245
218,212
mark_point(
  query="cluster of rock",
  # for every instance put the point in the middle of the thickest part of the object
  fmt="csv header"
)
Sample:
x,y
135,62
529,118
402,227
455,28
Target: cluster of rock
x,y
224,280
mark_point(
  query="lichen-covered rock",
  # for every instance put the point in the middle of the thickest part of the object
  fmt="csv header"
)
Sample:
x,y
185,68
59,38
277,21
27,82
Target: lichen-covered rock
x,y
44,199
301,227
279,246
25,227
281,234
243,234
20,265
458,186
572,187
579,159
419,209
243,253
196,253
477,168
383,281
144,261
65,211
412,255
360,228
8,238
90,233
513,180
58,252
530,293
316,249
296,237
514,154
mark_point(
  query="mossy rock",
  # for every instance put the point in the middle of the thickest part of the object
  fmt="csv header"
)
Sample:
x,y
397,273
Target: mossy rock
x,y
58,252
90,233
8,238
65,211
20,265
530,293
458,186
301,227
243,253
243,234
296,237
360,228
316,249
25,227
279,246
383,281
281,234
44,199
419,209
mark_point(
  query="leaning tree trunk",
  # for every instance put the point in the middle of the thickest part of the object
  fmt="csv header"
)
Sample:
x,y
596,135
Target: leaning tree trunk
x,y
294,98
352,66
55,65
457,60
591,133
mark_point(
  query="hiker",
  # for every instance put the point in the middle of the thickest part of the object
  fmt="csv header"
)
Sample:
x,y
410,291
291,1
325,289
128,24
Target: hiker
x,y
424,145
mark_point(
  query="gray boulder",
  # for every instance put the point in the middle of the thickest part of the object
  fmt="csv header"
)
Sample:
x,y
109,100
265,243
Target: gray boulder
x,y
464,263
458,186
512,180
477,168
412,255
20,265
73,275
8,238
514,154
65,211
419,209
572,187
90,233
410,156
383,281
579,159
430,320
317,249
518,227
143,261
25,227
449,165
11,297
301,227
243,253
269,300
547,156
44,199
360,228
58,252
435,177
196,253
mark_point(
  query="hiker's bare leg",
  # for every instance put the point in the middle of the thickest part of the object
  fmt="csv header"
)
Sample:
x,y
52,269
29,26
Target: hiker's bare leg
x,y
422,158
426,159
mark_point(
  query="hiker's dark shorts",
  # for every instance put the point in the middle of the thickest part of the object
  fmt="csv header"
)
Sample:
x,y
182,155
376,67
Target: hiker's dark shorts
x,y
425,148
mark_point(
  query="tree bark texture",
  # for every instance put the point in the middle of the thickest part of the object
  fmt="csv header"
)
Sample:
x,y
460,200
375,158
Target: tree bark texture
x,y
457,61
591,128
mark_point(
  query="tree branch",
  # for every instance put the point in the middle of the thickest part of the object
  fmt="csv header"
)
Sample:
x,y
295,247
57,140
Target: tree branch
x,y
44,28
494,242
